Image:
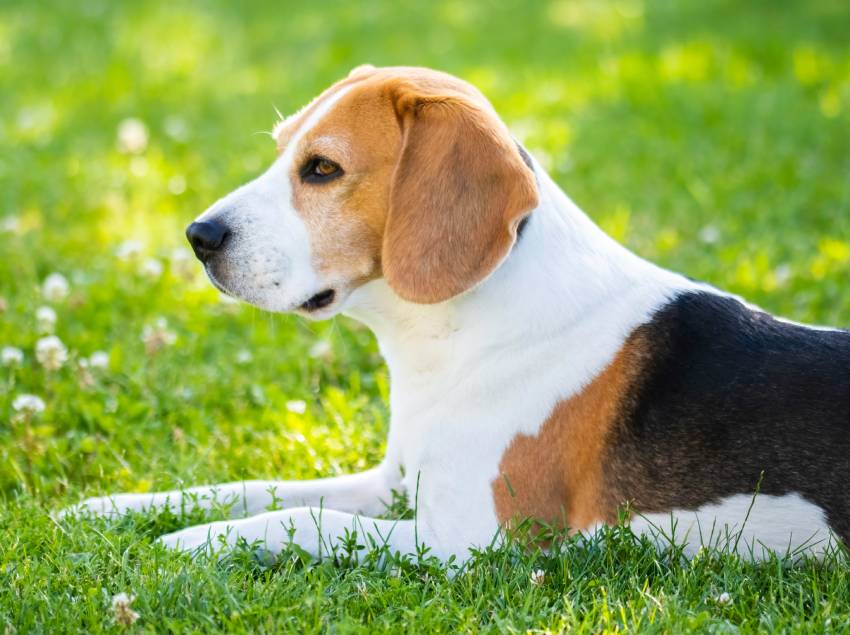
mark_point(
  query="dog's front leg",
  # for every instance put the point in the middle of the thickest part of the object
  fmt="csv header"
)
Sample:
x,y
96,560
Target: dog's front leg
x,y
367,492
316,530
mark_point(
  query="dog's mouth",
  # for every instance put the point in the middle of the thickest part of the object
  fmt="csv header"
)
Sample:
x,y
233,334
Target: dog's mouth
x,y
313,305
319,301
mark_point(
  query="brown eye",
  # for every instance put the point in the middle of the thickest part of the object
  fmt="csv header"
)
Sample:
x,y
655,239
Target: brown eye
x,y
319,169
325,168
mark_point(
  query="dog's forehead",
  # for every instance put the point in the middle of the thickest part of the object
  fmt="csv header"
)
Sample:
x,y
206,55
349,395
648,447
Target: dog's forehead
x,y
289,127
368,84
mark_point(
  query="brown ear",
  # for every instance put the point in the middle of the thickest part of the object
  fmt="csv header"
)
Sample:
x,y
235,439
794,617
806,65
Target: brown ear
x,y
459,191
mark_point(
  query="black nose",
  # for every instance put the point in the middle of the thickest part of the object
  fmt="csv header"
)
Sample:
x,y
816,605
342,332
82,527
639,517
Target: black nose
x,y
206,238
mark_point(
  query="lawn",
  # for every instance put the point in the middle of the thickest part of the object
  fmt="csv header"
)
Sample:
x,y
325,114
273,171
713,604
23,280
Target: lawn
x,y
709,136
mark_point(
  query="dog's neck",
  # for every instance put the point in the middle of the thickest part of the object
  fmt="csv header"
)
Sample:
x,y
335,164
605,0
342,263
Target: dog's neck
x,y
563,271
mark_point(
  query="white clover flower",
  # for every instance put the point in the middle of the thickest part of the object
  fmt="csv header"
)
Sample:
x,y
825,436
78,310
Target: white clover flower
x,y
28,405
121,611
296,406
132,136
321,348
51,352
99,360
181,254
709,234
10,224
782,273
84,375
128,250
157,336
35,119
80,277
151,268
177,184
182,262
11,356
55,287
724,599
244,356
45,318
176,128
538,577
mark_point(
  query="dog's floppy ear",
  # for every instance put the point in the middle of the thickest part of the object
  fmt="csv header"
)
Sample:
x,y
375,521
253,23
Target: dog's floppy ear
x,y
459,190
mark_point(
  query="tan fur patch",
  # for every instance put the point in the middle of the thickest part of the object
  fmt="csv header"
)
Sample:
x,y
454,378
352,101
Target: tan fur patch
x,y
346,217
557,476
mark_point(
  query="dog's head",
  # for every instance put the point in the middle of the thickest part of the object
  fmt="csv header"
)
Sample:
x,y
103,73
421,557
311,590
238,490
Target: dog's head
x,y
404,173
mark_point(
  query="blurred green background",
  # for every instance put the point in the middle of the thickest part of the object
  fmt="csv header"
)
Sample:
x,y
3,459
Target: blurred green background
x,y
711,136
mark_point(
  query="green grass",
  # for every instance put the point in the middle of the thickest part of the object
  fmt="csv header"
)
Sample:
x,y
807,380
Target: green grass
x,y
711,137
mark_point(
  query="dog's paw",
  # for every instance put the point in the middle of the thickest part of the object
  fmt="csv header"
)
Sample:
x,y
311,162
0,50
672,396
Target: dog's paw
x,y
208,537
269,532
107,506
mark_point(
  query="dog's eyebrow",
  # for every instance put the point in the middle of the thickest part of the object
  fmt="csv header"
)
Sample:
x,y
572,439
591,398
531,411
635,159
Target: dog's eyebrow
x,y
337,148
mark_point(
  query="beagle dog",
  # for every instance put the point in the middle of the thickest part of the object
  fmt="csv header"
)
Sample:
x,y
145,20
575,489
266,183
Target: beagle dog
x,y
539,370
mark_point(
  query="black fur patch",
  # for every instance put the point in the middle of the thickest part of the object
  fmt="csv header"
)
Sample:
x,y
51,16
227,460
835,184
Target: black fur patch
x,y
527,160
725,395
525,156
521,227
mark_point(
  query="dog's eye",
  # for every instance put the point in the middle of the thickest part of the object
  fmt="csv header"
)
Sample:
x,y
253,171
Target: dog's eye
x,y
319,169
325,168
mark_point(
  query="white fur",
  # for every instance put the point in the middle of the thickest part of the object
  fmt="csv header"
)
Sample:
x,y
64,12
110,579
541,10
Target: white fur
x,y
751,526
467,376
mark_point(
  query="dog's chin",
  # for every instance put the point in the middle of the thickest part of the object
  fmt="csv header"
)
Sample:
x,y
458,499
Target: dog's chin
x,y
320,305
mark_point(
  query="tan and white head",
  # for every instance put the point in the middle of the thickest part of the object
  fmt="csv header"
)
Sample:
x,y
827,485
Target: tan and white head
x,y
402,173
